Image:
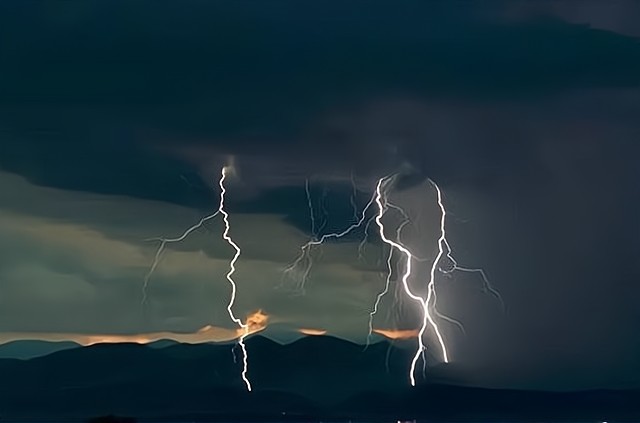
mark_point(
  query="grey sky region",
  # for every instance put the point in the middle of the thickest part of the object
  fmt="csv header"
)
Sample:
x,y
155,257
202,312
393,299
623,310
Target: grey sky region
x,y
116,120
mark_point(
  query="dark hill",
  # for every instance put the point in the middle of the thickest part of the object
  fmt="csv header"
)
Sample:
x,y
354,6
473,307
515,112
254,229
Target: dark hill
x,y
162,343
33,348
313,378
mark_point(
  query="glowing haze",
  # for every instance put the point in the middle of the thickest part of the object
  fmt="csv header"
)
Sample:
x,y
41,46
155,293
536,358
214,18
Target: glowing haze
x,y
254,323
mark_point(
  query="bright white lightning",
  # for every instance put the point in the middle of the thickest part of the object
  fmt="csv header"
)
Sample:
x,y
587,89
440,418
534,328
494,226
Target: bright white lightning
x,y
455,265
431,286
385,290
444,249
381,294
227,237
305,259
426,319
363,242
232,269
449,252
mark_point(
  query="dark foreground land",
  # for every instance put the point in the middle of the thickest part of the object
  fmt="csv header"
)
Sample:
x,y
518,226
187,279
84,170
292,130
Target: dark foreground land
x,y
313,379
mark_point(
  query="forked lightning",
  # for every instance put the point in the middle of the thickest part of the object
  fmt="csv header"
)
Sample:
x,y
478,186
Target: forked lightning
x,y
305,257
300,268
227,237
163,243
427,303
424,304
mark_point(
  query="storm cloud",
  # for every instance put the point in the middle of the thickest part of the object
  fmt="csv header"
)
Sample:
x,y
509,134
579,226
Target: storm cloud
x,y
115,120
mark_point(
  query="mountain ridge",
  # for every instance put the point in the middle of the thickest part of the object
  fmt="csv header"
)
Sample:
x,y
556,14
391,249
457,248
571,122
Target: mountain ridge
x,y
314,378
31,348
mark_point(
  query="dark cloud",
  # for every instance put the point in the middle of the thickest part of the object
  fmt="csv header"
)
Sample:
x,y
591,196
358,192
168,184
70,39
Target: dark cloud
x,y
618,16
527,122
95,83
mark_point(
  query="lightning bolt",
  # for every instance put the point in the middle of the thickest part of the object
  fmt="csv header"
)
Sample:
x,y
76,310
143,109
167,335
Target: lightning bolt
x,y
388,205
385,290
311,212
225,235
444,251
427,319
381,294
444,244
161,247
354,196
305,260
455,266
365,238
232,269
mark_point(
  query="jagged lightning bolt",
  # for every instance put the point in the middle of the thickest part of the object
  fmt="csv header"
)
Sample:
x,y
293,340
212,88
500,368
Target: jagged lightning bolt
x,y
444,250
363,242
444,243
434,293
305,260
385,290
232,269
376,304
163,243
427,319
428,305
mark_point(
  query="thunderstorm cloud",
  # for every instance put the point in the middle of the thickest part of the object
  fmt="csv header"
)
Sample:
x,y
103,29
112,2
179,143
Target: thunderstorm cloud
x,y
114,126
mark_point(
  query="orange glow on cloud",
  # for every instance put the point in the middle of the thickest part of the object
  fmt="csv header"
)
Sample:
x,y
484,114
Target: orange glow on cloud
x,y
256,322
397,334
312,332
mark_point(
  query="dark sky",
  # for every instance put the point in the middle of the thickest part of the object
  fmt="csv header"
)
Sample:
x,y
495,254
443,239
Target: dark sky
x,y
116,116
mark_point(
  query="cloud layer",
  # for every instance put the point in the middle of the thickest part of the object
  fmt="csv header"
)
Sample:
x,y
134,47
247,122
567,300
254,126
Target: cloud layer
x,y
113,128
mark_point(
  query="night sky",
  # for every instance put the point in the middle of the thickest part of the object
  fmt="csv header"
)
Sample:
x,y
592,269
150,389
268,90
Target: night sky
x,y
116,117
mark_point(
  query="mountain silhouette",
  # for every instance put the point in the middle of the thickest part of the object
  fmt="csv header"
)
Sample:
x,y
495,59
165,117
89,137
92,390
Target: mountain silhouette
x,y
33,348
313,378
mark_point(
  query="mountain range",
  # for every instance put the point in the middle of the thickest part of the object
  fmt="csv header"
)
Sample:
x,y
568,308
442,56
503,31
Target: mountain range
x,y
33,348
314,378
